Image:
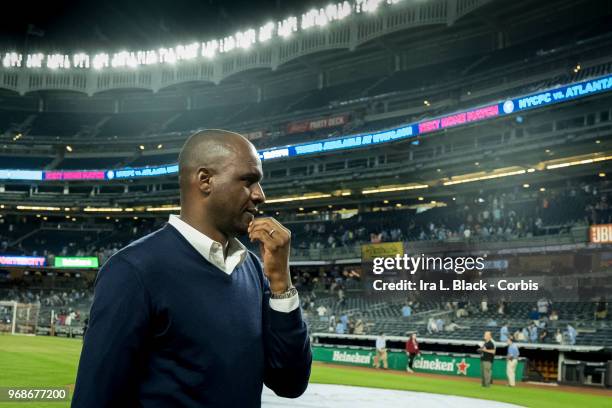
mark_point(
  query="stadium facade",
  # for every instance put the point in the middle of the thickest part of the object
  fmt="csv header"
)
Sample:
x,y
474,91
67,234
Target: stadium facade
x,y
450,126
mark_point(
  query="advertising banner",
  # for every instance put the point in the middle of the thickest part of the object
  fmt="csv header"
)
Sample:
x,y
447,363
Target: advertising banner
x,y
7,260
304,126
76,262
601,234
448,364
385,249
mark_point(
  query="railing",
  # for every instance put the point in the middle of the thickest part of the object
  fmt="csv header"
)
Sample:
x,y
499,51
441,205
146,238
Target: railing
x,y
576,238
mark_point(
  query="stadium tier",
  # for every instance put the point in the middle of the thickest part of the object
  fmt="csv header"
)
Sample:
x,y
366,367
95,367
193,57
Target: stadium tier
x,y
386,131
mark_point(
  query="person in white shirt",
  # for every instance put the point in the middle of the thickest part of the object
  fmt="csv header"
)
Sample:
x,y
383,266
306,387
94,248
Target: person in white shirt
x,y
381,351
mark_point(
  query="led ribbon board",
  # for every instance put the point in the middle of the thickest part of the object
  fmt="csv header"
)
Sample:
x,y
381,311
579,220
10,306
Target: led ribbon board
x,y
477,114
7,260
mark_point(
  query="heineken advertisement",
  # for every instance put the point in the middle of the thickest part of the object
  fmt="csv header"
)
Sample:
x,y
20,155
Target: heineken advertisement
x,y
427,363
76,262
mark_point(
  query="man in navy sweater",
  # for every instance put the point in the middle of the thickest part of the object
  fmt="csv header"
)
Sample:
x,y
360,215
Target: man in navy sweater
x,y
186,316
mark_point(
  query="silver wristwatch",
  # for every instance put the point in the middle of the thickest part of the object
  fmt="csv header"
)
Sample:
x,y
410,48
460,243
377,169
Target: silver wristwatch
x,y
289,293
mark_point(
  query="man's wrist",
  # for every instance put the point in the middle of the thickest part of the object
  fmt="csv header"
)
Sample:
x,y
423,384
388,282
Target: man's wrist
x,y
286,294
282,285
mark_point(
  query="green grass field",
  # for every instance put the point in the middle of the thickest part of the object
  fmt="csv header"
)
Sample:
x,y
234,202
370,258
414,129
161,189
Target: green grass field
x,y
52,362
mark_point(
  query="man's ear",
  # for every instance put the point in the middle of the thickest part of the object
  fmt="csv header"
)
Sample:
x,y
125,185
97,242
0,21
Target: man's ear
x,y
204,180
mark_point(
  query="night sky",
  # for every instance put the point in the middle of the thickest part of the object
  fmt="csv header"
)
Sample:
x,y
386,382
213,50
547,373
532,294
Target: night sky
x,y
111,25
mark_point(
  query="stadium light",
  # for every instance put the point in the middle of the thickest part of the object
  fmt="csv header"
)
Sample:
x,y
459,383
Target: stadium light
x,y
103,209
266,32
388,189
298,198
80,60
69,148
577,162
164,208
484,177
34,60
12,59
368,6
319,17
287,27
37,208
210,48
141,147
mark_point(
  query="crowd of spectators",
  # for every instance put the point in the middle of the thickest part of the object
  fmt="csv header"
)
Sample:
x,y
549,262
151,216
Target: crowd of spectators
x,y
482,216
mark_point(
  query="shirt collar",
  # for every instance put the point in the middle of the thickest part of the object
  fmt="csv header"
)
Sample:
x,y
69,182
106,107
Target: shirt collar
x,y
211,250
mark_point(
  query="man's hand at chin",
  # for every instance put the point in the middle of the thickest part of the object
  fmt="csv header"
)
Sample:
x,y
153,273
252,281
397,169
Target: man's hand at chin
x,y
274,244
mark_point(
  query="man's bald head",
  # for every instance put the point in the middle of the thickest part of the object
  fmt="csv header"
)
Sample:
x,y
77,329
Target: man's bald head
x,y
212,149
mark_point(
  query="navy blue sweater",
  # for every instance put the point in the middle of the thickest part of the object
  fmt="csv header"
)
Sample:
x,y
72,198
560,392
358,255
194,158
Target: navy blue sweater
x,y
168,329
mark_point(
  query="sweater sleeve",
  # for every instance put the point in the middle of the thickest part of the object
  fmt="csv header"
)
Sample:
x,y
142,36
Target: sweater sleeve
x,y
111,358
286,346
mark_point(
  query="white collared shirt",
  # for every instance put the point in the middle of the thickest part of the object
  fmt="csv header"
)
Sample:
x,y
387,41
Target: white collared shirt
x,y
212,251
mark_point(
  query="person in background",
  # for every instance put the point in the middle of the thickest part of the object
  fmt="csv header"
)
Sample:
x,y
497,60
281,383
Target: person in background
x,y
340,328
359,327
543,306
571,334
601,311
381,351
412,350
332,324
486,359
504,333
543,335
345,320
511,361
554,316
484,305
559,337
406,311
533,333
431,326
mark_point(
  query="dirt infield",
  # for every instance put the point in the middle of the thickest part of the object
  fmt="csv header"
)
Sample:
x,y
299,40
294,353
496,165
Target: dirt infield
x,y
567,388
